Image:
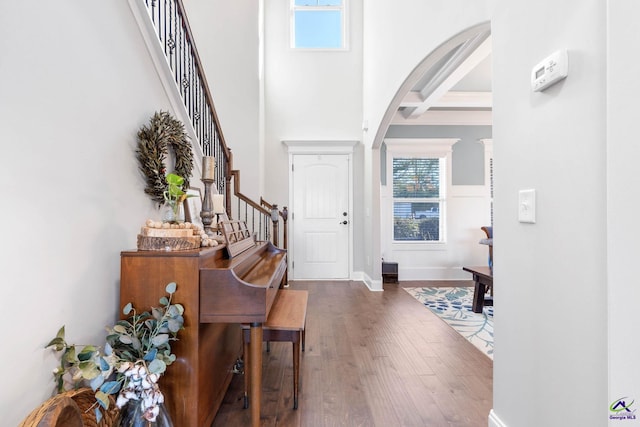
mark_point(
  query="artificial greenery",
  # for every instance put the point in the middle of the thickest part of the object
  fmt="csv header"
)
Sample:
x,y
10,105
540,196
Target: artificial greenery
x,y
174,196
154,141
136,353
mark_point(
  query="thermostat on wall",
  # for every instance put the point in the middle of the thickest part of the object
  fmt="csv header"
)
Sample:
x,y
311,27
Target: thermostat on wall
x,y
550,71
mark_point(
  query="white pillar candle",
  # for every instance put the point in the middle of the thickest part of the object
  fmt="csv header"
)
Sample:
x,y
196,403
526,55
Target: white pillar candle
x,y
218,203
208,167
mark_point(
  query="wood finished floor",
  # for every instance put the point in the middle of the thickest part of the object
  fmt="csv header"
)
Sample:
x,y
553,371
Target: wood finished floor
x,y
374,359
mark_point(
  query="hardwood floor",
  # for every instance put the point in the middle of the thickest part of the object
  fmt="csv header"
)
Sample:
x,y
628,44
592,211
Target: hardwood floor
x,y
372,359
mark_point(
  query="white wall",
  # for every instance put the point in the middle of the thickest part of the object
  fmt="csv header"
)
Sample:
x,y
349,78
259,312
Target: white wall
x,y
465,213
74,91
549,370
467,209
310,95
76,83
623,180
399,35
550,365
227,38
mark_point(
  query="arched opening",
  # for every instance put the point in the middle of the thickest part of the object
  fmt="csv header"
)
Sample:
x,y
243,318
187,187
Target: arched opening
x,y
435,74
438,128
441,115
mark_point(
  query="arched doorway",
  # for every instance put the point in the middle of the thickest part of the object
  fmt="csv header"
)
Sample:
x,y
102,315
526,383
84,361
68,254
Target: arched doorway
x,y
447,95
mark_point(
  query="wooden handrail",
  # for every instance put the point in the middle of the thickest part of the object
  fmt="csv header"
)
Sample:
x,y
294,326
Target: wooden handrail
x,y
169,18
236,192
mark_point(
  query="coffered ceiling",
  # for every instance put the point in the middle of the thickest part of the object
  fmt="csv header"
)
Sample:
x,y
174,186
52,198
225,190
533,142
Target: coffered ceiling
x,y
456,90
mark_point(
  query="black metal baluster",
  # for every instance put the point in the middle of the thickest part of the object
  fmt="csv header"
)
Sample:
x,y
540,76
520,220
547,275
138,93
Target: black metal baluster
x,y
190,82
166,30
172,36
180,69
171,29
196,114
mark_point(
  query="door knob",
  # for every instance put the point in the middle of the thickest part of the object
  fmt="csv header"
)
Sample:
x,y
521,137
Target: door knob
x,y
345,222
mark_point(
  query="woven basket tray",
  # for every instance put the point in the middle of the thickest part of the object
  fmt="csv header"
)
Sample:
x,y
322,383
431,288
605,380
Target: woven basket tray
x,y
71,409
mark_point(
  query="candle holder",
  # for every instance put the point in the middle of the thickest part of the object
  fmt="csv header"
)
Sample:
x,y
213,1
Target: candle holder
x,y
207,208
218,207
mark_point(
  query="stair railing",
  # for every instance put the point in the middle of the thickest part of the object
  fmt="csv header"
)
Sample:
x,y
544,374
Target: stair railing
x,y
275,213
168,36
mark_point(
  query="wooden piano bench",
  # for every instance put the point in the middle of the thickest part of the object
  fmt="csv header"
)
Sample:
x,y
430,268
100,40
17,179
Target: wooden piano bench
x,y
286,323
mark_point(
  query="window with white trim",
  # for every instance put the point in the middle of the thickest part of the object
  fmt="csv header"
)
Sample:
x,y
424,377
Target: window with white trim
x,y
318,24
418,174
418,198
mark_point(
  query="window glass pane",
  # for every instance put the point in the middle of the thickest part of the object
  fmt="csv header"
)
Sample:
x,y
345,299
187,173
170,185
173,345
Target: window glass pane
x,y
318,2
318,29
416,178
416,221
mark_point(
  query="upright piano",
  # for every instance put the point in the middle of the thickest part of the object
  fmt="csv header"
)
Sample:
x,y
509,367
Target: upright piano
x,y
218,293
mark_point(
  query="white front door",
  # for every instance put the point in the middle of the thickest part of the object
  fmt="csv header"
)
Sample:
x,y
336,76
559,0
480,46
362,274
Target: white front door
x,y
321,217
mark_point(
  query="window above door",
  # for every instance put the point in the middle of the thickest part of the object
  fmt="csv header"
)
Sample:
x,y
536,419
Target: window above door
x,y
318,24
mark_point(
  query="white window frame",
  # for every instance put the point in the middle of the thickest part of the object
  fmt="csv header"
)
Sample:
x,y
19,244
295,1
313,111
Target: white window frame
x,y
426,148
344,27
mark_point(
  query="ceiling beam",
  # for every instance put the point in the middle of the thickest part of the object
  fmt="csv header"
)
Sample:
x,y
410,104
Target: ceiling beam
x,y
468,56
446,118
452,100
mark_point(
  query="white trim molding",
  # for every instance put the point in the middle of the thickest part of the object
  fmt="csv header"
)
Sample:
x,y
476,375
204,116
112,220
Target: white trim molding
x,y
439,147
411,254
320,147
494,421
156,52
373,284
488,144
446,118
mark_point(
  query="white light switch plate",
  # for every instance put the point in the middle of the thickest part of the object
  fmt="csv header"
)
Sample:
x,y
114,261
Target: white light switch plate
x,y
527,206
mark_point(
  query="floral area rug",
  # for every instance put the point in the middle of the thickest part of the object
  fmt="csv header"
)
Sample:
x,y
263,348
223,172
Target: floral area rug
x,y
453,305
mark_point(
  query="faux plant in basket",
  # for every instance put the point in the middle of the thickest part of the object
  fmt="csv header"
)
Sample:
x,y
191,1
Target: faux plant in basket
x,y
136,354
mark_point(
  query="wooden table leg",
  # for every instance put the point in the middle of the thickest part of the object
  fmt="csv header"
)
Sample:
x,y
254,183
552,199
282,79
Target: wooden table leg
x,y
247,368
296,369
255,359
478,295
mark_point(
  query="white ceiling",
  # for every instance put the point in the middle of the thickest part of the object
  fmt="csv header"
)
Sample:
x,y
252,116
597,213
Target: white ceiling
x,y
456,90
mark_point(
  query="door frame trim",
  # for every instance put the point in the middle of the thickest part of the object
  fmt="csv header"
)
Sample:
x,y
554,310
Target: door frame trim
x,y
321,147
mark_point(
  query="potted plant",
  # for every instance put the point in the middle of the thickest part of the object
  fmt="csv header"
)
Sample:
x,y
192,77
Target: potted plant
x,y
174,197
136,354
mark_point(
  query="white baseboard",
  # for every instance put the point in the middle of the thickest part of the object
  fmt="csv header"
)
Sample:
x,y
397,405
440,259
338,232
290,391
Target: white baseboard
x,y
433,273
357,275
494,421
373,285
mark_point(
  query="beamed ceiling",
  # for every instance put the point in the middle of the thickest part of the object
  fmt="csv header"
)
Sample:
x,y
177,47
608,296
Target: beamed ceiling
x,y
456,90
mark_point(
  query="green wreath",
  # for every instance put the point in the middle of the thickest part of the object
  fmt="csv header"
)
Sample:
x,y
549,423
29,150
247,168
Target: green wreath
x,y
154,141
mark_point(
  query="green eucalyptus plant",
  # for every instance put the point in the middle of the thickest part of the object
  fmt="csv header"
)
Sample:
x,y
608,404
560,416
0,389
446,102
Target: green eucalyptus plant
x,y
136,353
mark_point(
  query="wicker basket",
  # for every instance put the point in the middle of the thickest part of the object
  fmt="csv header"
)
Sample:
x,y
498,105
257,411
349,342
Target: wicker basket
x,y
70,409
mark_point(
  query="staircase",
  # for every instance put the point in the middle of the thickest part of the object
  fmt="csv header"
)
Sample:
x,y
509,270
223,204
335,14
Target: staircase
x,y
165,28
